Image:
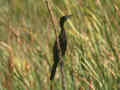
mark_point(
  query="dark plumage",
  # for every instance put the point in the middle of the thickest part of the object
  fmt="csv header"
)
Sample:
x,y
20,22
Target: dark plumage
x,y
63,44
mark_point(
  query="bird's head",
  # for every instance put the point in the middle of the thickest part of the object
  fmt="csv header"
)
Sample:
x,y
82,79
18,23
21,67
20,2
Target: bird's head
x,y
63,19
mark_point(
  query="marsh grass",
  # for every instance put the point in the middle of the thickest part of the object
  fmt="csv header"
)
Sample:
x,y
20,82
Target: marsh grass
x,y
92,58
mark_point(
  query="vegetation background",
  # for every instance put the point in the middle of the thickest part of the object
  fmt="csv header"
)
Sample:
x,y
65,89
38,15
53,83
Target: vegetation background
x,y
27,37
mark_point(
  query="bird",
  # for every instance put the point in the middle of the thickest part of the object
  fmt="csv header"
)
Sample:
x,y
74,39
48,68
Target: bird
x,y
62,46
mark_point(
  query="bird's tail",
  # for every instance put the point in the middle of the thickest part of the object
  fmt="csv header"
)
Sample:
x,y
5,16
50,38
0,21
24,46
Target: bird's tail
x,y
53,71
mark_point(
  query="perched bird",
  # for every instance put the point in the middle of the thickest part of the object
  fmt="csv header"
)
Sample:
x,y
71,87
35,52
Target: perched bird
x,y
62,43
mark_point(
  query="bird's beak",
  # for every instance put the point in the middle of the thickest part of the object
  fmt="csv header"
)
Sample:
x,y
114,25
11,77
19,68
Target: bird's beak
x,y
69,16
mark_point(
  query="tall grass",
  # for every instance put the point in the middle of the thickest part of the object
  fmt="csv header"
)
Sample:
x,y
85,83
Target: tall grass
x,y
92,58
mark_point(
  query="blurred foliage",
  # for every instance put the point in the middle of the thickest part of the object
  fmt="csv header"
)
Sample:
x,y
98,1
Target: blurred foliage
x,y
92,58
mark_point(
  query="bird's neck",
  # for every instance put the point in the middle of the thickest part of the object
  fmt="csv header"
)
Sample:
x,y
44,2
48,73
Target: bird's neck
x,y
62,33
62,27
62,30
